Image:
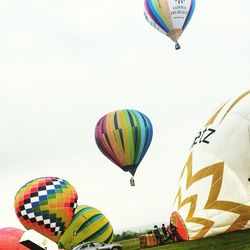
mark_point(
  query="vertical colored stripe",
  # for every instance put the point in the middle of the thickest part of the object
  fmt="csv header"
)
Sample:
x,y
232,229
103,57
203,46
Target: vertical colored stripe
x,y
153,9
152,15
141,136
189,15
129,150
164,12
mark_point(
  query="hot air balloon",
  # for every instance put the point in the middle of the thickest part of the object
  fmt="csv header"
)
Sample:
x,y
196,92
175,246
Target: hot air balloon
x,y
124,136
214,187
46,205
170,17
9,239
88,224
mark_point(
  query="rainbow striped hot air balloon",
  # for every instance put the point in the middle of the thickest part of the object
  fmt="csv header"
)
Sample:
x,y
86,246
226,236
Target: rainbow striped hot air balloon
x,y
170,17
46,205
124,136
88,224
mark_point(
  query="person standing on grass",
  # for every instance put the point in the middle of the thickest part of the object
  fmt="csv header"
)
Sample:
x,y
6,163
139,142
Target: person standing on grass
x,y
157,235
173,229
164,231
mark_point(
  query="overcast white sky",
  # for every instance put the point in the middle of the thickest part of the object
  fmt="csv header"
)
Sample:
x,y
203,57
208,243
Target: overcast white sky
x,y
64,64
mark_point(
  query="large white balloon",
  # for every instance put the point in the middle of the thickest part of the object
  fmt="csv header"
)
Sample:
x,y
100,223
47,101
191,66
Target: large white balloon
x,y
214,189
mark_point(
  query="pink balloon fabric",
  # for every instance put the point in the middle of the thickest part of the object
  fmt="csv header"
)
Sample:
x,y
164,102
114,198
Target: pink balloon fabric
x,y
9,239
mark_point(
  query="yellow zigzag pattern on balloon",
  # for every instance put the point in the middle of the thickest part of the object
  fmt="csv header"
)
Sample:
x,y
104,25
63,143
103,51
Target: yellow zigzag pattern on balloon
x,y
212,119
216,171
207,224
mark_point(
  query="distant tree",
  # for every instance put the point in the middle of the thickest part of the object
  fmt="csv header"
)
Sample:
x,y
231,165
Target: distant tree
x,y
126,235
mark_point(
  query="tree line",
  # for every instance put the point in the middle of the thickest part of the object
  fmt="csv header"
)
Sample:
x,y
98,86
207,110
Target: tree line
x,y
126,235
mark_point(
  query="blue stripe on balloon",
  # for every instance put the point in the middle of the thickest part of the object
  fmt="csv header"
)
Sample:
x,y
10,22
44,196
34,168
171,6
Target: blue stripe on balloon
x,y
115,121
81,211
121,137
135,131
143,137
102,124
151,14
190,14
89,221
98,232
131,119
107,140
108,240
149,135
160,20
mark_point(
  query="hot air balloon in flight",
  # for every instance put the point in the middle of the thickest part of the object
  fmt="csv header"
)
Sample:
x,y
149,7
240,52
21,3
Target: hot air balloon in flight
x,y
46,205
124,136
170,17
214,187
88,224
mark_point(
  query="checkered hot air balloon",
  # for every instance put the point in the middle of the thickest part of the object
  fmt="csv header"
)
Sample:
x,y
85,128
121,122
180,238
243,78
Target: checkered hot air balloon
x,y
46,205
124,136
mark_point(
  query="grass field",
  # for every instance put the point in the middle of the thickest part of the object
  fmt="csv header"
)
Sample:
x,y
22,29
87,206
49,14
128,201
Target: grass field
x,y
232,241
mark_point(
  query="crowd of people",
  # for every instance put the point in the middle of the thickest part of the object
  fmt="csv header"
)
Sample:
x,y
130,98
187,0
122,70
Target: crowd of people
x,y
165,234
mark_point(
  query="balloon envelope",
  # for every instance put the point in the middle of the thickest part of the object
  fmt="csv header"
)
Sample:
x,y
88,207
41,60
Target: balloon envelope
x,y
214,188
46,205
9,239
170,17
88,224
124,137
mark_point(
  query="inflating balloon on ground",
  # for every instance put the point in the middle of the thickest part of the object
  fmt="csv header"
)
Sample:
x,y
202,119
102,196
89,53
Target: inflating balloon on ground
x,y
88,224
214,188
